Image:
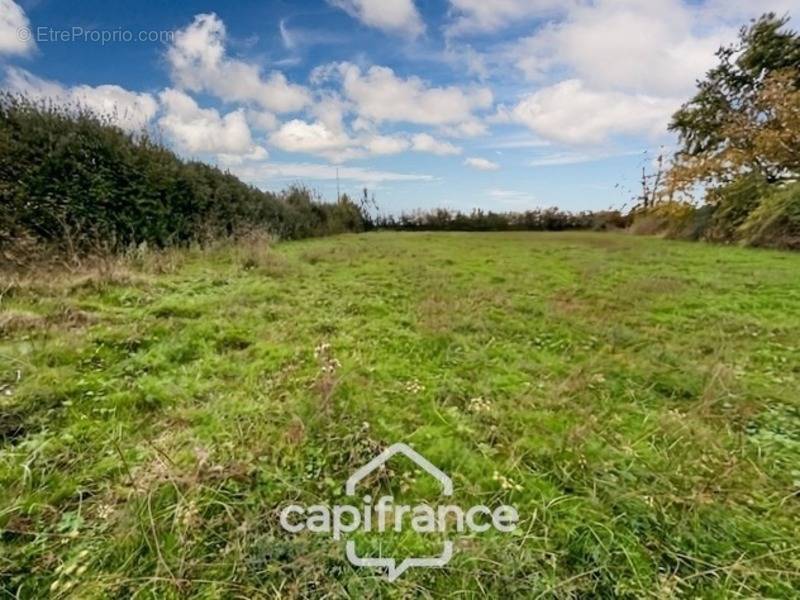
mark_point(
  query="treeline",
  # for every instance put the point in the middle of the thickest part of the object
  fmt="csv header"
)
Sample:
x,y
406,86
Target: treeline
x,y
73,184
551,219
740,143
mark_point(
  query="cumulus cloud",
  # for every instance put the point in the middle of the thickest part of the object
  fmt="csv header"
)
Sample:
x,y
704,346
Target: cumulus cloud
x,y
659,47
203,130
393,16
258,153
328,136
337,145
473,16
375,97
379,95
640,47
481,164
625,65
425,142
262,119
13,21
615,66
198,62
131,111
572,113
387,144
313,138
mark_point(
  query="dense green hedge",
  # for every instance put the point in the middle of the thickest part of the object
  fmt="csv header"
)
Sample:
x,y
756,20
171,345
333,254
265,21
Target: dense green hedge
x,y
73,182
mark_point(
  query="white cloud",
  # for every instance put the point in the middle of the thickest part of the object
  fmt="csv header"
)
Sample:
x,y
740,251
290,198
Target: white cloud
x,y
375,97
481,164
313,138
387,144
199,62
379,95
257,154
574,158
639,47
204,130
515,141
658,47
287,37
328,136
393,16
14,25
467,129
262,119
331,109
129,110
424,142
472,16
335,144
561,158
465,56
572,113
611,67
262,173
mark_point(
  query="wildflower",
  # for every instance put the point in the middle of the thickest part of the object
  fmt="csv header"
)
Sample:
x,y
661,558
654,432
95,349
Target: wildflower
x,y
414,387
322,350
506,483
188,514
104,511
479,405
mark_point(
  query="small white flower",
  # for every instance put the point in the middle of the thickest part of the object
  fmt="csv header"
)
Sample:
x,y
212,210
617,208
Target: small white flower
x,y
479,405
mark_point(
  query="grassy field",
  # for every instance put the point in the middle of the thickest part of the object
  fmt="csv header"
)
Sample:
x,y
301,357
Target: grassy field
x,y
635,399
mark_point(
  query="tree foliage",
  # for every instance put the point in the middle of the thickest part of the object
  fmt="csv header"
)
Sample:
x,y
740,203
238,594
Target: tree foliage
x,y
745,116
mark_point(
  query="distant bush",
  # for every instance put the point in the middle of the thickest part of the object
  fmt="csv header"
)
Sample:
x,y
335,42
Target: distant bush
x,y
73,183
551,219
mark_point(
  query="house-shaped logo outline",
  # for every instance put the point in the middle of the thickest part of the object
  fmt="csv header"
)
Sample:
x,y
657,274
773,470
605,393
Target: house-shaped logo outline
x,y
408,452
393,568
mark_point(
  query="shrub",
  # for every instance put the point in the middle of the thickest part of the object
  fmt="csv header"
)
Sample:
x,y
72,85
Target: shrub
x,y
732,204
669,218
775,223
747,211
74,183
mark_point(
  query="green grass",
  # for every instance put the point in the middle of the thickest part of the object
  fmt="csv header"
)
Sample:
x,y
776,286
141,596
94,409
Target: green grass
x,y
640,409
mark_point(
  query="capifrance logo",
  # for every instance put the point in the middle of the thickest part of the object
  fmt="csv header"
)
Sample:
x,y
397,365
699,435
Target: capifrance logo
x,y
384,515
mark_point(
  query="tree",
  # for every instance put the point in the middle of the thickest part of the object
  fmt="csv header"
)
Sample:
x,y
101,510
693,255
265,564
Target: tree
x,y
745,116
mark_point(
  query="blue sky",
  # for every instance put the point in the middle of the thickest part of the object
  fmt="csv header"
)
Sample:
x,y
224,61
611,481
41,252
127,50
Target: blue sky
x,y
499,104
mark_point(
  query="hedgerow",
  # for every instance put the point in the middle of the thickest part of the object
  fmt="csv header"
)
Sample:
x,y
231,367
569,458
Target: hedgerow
x,y
73,183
